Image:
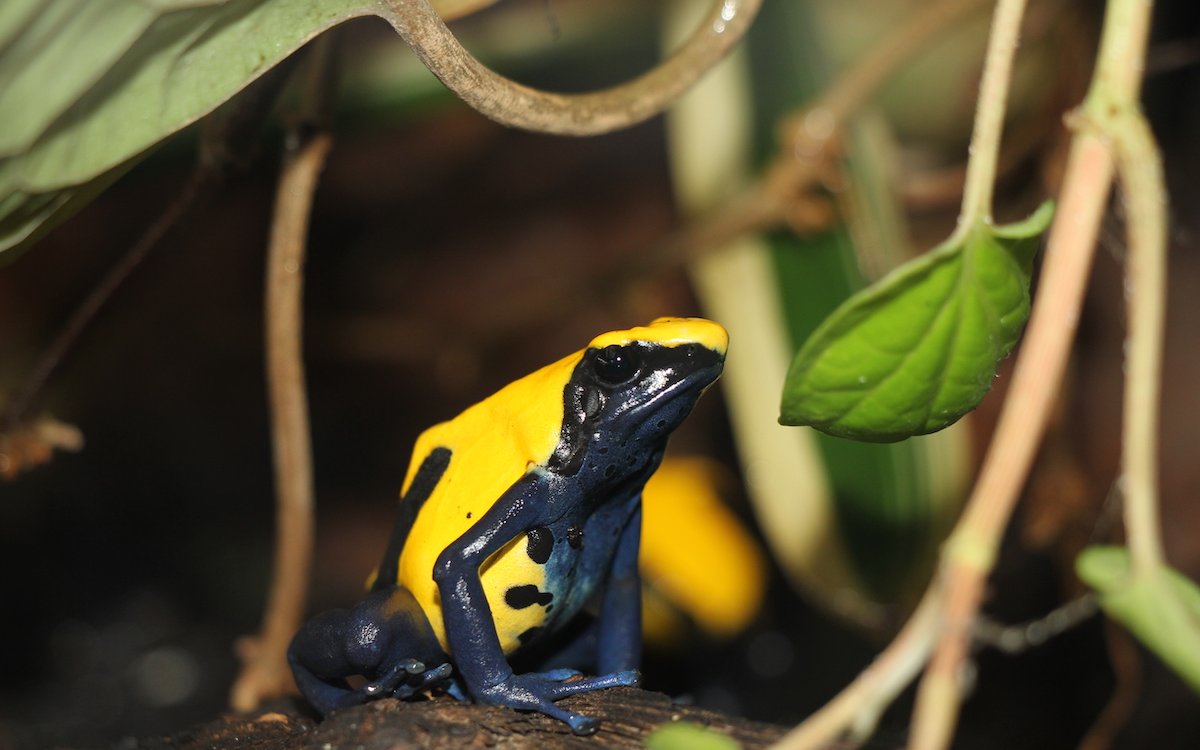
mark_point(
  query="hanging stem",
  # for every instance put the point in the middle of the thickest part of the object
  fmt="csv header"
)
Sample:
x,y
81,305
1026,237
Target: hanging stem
x,y
1140,171
1113,109
989,114
264,670
1110,122
971,550
513,104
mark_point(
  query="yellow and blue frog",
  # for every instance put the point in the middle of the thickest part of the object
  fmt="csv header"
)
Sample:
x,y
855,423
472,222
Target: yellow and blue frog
x,y
515,515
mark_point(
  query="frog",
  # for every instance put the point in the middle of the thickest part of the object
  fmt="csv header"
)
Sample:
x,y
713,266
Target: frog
x,y
519,517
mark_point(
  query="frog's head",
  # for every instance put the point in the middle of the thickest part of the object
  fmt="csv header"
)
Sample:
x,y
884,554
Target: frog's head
x,y
630,390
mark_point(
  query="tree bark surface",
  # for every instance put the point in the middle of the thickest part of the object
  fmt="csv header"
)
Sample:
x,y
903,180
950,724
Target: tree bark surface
x,y
627,716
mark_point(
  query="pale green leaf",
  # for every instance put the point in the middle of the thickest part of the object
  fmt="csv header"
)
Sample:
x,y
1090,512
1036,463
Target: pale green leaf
x,y
685,736
91,85
1161,607
14,16
914,352
58,52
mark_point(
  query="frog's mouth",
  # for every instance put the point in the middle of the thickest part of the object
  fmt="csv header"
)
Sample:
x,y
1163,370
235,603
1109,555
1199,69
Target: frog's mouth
x,y
700,370
670,403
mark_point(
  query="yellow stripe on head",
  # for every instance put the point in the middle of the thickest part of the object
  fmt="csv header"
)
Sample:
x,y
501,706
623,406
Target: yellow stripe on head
x,y
669,332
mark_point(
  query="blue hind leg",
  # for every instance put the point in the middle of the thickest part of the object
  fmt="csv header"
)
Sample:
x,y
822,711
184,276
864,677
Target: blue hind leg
x,y
386,639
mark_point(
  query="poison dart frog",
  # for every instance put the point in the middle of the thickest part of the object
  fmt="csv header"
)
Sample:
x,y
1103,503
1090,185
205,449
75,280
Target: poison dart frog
x,y
514,515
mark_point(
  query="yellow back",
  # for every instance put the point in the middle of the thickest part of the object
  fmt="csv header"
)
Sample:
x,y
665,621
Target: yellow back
x,y
493,444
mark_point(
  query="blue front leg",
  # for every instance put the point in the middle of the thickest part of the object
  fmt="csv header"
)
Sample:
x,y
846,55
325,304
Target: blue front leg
x,y
468,617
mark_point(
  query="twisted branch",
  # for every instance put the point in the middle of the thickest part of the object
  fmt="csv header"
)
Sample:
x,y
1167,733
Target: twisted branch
x,y
510,103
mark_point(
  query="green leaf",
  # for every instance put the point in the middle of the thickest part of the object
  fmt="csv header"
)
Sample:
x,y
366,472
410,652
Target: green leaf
x,y
91,85
684,736
914,352
1160,607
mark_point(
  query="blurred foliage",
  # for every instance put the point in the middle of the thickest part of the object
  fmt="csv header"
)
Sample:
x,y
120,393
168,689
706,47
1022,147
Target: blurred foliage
x,y
1160,606
685,736
686,522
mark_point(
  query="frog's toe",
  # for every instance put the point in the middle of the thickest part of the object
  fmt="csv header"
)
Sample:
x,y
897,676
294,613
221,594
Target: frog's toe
x,y
420,680
413,666
561,689
391,682
437,674
556,675
580,724
433,677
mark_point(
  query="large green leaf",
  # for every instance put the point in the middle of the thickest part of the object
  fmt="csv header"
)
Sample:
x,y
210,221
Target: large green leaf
x,y
1161,607
56,51
91,85
916,351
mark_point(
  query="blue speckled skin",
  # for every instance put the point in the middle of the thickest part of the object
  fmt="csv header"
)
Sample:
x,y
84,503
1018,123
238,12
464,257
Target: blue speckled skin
x,y
584,507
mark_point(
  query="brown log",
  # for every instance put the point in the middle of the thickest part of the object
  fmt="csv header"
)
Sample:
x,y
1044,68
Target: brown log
x,y
627,716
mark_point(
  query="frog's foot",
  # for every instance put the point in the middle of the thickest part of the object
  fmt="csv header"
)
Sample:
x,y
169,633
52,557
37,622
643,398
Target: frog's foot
x,y
556,675
538,691
395,678
420,678
401,680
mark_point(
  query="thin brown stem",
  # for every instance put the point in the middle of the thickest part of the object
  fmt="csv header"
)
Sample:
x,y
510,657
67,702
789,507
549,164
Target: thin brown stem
x,y
1126,661
972,547
264,671
1143,187
1111,129
513,104
989,117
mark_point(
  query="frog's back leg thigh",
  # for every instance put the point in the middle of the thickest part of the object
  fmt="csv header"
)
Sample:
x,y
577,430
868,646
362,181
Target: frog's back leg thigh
x,y
386,639
319,662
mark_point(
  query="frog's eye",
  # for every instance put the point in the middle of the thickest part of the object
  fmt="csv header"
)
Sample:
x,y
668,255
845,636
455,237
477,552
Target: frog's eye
x,y
616,364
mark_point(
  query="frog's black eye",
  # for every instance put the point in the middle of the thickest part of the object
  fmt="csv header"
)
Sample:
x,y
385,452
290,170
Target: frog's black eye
x,y
616,364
